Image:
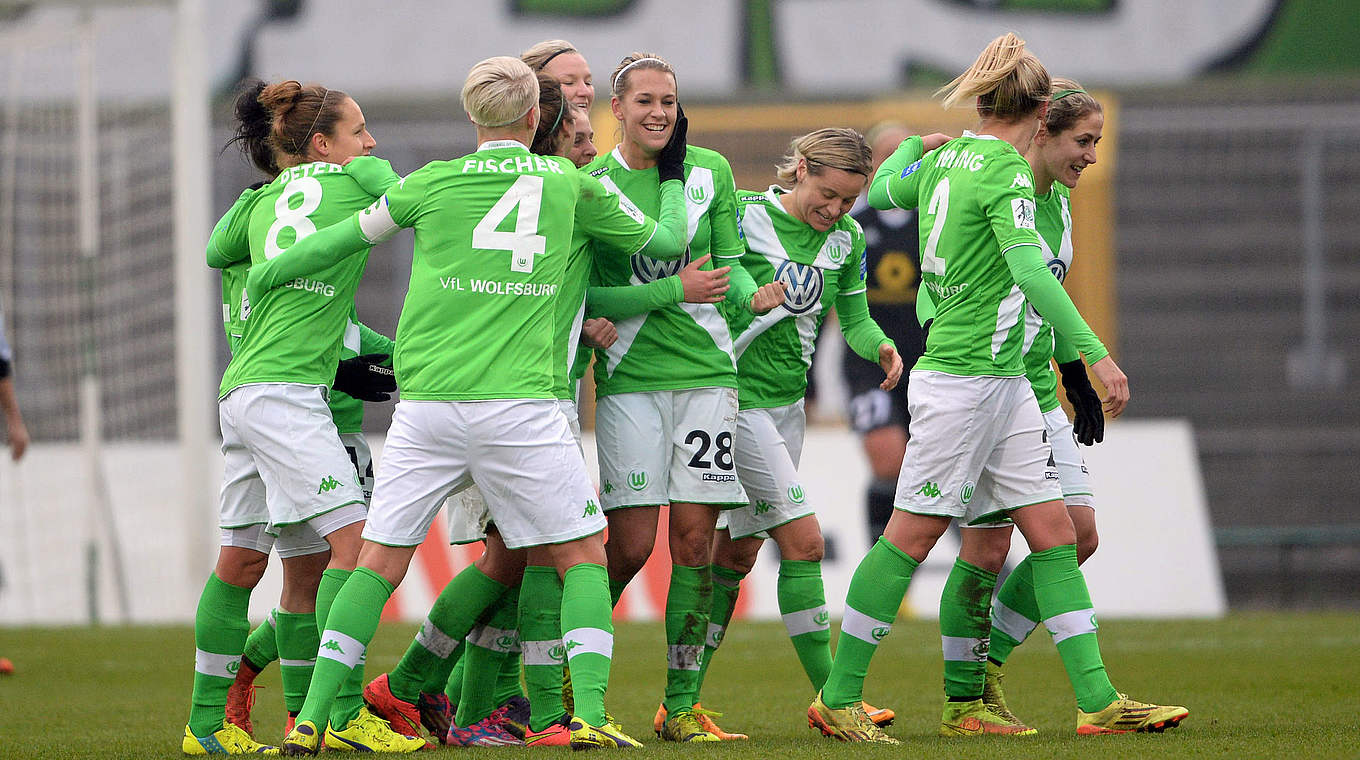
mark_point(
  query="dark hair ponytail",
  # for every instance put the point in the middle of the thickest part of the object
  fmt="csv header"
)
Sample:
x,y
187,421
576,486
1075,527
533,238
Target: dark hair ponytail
x,y
253,124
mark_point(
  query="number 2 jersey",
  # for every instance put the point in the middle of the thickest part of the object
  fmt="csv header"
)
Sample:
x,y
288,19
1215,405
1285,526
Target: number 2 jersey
x,y
295,332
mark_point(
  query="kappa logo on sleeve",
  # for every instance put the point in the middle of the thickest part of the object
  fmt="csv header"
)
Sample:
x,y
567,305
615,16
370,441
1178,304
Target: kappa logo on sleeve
x,y
1021,181
1023,209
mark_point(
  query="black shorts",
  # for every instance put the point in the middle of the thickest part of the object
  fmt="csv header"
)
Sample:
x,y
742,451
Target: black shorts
x,y
872,407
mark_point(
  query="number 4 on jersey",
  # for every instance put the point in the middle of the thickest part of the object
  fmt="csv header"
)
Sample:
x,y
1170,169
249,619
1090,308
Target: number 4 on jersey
x,y
523,242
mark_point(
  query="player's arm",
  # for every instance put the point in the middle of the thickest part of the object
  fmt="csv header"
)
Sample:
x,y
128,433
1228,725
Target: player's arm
x,y
693,284
228,244
727,248
373,342
862,333
374,175
896,184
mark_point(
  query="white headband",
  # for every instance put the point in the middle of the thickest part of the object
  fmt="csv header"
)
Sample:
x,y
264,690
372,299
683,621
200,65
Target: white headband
x,y
619,75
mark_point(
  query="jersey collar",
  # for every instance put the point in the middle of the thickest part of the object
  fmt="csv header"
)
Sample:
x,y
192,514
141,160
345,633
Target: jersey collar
x,y
976,136
496,144
618,156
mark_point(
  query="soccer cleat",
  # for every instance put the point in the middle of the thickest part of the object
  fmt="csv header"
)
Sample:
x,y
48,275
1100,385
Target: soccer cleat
x,y
705,719
610,735
487,732
849,724
975,719
685,727
881,716
436,714
302,739
369,733
1125,715
241,697
568,696
404,716
514,716
557,734
230,739
994,697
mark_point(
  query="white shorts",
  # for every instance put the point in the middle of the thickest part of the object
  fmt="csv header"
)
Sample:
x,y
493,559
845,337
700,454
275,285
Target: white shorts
x,y
466,511
658,447
769,443
356,445
284,460
295,540
1072,472
977,448
518,451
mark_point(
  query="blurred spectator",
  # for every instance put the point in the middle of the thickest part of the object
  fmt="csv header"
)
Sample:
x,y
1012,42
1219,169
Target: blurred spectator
x,y
9,406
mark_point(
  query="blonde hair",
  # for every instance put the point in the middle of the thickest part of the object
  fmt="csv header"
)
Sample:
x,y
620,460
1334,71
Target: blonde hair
x,y
1067,105
633,62
834,147
538,56
1008,81
499,91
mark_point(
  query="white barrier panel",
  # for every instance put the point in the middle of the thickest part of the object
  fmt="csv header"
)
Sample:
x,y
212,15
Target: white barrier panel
x,y
1150,506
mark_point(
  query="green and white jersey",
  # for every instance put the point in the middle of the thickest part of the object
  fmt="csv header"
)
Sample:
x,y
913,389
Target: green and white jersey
x,y
493,239
1053,220
819,270
293,335
976,200
683,345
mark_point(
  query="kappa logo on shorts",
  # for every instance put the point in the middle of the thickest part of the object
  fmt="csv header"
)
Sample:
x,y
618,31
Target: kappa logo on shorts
x,y
930,489
591,508
763,506
608,487
966,493
637,480
796,494
328,483
714,477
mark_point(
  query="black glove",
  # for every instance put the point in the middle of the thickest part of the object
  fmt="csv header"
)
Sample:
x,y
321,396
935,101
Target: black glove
x,y
364,378
670,163
925,331
1089,426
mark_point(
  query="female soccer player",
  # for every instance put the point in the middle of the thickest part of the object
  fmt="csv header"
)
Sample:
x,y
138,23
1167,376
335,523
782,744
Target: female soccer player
x,y
1063,148
671,372
981,260
481,410
561,60
288,480
804,238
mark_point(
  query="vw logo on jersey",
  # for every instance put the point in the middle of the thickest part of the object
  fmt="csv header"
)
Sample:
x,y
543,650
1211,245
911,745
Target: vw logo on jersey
x,y
1058,268
802,285
648,269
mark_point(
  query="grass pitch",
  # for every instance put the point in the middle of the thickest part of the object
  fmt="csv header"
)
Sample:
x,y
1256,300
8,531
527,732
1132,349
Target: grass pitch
x,y
1257,685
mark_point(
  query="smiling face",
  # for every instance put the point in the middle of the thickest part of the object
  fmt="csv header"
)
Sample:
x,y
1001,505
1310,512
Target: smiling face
x,y
572,72
647,109
821,199
1065,155
348,138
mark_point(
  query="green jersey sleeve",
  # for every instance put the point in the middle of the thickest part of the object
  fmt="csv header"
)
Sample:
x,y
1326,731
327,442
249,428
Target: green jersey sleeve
x,y
373,342
896,184
861,332
614,221
624,301
375,175
726,245
230,242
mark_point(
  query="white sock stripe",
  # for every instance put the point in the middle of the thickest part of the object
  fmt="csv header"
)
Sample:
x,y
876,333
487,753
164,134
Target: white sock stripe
x,y
297,663
963,649
580,641
438,643
341,648
684,656
1070,624
807,621
715,635
544,652
218,665
1010,622
495,639
863,627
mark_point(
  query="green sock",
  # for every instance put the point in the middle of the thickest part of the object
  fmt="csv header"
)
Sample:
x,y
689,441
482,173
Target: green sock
x,y
297,644
489,645
220,631
453,614
508,684
453,687
802,604
1065,606
261,646
965,624
332,580
871,603
350,626
616,588
1015,613
726,588
688,602
540,628
588,636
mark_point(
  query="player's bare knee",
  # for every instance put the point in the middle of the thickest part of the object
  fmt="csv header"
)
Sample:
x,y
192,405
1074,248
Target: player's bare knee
x,y
1087,542
241,567
803,548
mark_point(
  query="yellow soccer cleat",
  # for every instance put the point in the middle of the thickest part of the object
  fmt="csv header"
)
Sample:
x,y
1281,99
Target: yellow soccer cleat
x,y
302,739
1124,716
849,724
230,739
705,719
686,727
994,697
975,718
608,736
369,733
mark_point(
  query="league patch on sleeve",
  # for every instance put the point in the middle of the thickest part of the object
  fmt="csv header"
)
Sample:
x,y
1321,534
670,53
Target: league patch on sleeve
x,y
910,170
1023,209
633,211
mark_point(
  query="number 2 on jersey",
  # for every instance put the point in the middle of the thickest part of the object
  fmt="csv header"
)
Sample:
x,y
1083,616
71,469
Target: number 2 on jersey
x,y
938,209
524,242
